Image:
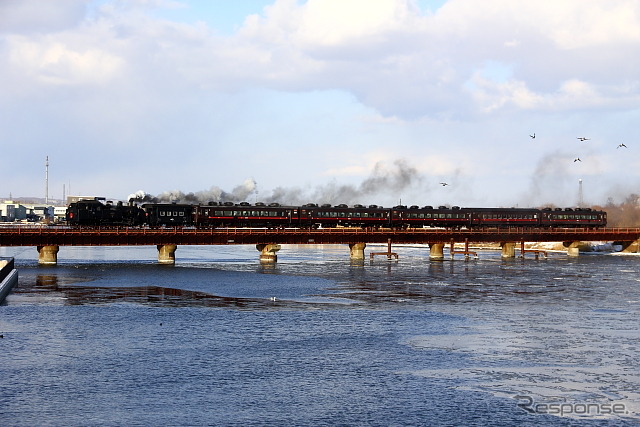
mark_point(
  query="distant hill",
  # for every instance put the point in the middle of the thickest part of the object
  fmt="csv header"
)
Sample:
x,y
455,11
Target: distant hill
x,y
35,201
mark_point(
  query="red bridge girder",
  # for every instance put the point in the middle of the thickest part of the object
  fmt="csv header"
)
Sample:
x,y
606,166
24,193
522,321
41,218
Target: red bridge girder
x,y
129,236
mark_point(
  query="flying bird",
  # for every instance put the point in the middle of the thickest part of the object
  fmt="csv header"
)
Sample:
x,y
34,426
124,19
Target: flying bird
x,y
582,138
533,136
444,184
622,145
577,159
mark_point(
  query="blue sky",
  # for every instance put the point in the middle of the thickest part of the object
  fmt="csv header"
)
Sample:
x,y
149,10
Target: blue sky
x,y
327,101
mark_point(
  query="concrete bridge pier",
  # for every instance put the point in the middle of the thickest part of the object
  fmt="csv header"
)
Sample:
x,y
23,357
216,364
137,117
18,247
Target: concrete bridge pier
x,y
630,247
167,254
573,248
436,251
508,249
356,251
268,252
48,255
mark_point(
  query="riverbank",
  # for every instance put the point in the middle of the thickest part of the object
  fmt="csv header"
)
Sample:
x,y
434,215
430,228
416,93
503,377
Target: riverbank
x,y
8,277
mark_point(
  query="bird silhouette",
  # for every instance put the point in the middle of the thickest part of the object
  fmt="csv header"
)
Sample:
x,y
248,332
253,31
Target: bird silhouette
x,y
582,138
444,184
622,145
533,136
577,160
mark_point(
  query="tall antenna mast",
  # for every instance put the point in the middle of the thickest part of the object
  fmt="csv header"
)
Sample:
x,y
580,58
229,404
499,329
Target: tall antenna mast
x,y
580,197
46,181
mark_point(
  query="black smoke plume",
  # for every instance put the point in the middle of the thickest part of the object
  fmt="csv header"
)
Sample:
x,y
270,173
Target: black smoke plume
x,y
385,181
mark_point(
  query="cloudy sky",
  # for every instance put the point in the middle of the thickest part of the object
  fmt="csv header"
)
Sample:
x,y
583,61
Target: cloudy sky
x,y
340,101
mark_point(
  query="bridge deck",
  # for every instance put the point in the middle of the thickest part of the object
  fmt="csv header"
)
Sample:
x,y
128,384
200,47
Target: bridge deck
x,y
129,236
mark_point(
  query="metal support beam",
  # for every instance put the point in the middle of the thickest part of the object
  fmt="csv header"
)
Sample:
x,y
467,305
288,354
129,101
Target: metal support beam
x,y
536,252
388,254
466,252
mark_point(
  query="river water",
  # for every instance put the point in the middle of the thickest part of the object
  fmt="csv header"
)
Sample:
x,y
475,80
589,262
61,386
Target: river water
x,y
109,337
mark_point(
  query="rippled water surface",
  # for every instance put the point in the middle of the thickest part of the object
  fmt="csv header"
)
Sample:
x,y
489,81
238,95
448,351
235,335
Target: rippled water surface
x,y
109,337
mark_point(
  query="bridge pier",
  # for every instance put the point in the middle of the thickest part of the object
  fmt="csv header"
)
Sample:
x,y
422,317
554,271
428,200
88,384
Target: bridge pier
x,y
573,248
48,255
630,247
508,249
356,251
436,251
268,252
167,254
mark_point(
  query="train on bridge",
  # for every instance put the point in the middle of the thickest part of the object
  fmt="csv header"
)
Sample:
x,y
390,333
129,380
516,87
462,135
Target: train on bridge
x,y
97,212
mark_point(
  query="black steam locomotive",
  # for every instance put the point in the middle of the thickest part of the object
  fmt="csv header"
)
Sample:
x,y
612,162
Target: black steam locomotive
x,y
218,215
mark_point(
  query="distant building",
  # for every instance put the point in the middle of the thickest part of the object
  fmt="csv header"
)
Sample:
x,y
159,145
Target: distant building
x,y
7,213
11,211
37,213
59,213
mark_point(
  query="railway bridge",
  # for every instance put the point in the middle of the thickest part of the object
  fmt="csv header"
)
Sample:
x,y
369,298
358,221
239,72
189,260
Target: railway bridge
x,y
48,239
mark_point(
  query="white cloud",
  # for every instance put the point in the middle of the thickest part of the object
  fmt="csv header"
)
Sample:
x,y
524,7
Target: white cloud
x,y
37,16
52,62
450,90
386,52
401,62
